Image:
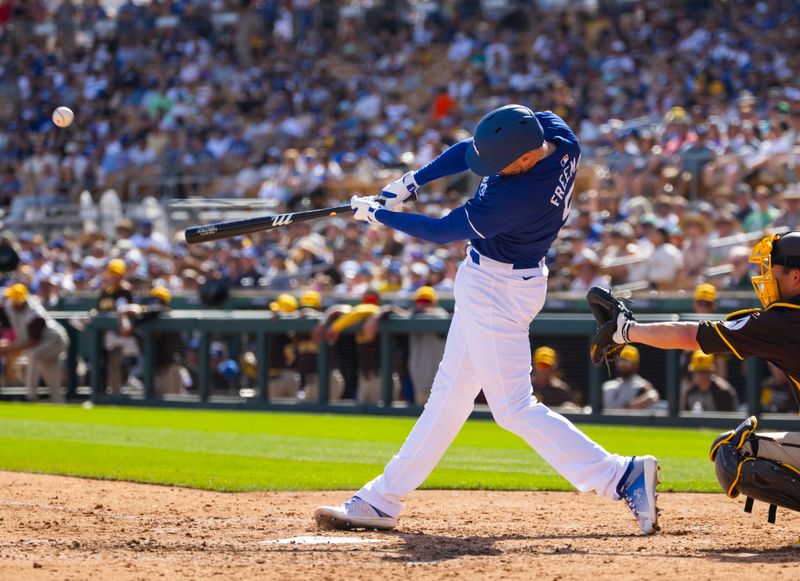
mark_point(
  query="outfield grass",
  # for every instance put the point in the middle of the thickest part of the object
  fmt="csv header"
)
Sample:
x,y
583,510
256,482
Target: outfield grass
x,y
236,450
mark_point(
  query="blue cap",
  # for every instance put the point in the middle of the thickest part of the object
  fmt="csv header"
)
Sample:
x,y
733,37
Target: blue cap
x,y
228,368
501,137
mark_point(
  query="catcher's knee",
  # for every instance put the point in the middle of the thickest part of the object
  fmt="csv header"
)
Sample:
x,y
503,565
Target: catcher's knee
x,y
740,470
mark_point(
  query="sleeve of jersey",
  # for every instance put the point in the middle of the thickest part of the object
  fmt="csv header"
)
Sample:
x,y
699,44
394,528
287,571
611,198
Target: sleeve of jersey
x,y
555,126
451,161
455,226
743,337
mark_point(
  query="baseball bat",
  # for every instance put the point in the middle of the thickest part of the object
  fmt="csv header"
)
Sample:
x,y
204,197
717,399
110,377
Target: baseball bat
x,y
208,232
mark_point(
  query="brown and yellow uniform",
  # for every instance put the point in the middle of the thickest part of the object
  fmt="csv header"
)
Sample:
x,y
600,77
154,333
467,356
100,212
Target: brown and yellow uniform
x,y
772,333
368,355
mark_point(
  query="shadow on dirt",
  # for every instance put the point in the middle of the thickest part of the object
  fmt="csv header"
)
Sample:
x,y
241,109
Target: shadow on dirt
x,y
746,555
430,548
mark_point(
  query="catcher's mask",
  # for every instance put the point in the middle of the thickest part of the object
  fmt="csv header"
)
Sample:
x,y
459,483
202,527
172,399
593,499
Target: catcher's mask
x,y
775,249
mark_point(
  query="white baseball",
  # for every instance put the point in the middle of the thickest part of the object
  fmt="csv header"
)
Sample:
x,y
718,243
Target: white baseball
x,y
63,116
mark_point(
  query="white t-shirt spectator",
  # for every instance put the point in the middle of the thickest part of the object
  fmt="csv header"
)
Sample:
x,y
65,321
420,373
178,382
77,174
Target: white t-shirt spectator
x,y
140,155
155,240
618,393
460,48
664,264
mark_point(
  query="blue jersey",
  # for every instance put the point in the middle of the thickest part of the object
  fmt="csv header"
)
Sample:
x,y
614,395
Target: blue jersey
x,y
516,218
512,219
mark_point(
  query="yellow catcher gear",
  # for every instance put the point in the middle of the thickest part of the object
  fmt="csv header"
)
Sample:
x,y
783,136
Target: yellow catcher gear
x,y
782,249
764,283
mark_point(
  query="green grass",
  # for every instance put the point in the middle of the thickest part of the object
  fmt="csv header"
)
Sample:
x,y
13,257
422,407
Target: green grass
x,y
236,450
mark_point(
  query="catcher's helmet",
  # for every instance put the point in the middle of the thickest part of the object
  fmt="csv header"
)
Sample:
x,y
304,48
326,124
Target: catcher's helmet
x,y
501,137
775,249
786,250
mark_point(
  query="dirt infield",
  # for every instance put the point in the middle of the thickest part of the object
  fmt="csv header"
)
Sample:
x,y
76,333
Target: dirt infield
x,y
72,528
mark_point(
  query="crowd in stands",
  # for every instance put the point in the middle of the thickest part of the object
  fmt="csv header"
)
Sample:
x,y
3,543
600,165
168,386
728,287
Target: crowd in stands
x,y
687,113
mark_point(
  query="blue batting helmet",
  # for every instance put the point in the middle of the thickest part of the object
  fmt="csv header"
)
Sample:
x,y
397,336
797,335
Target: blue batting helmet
x,y
501,137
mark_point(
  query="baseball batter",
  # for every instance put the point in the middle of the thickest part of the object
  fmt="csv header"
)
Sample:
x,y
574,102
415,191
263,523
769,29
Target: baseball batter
x,y
529,161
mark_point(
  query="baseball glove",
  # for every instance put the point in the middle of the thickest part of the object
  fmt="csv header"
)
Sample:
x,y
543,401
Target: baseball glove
x,y
614,319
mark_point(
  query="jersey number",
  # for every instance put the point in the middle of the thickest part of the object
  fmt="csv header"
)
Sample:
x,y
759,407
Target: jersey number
x,y
568,203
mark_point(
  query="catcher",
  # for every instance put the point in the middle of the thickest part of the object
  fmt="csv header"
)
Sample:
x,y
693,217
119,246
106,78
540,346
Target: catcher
x,y
765,467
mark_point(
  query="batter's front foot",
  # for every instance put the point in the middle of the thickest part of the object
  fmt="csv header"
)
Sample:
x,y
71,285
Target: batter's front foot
x,y
353,514
638,488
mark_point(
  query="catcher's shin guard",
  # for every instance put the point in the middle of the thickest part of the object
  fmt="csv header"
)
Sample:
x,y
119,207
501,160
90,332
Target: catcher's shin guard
x,y
740,471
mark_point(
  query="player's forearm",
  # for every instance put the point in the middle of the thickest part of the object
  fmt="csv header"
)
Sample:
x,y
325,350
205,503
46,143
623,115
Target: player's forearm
x,y
454,226
665,335
451,161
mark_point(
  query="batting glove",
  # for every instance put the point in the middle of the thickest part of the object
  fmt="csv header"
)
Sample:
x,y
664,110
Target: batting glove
x,y
364,208
399,190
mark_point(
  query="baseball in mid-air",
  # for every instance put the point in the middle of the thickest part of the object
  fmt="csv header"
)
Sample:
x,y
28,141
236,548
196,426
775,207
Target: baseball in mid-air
x,y
63,116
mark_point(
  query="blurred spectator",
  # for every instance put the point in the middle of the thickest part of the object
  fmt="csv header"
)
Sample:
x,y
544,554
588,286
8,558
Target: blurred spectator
x,y
548,388
307,354
344,352
560,276
789,216
587,267
119,347
283,379
764,214
704,303
225,371
707,391
664,264
39,337
696,228
368,357
147,240
740,277
628,390
169,376
215,289
425,349
10,187
778,395
705,299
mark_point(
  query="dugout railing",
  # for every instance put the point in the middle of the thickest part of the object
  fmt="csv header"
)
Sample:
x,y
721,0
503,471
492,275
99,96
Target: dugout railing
x,y
570,334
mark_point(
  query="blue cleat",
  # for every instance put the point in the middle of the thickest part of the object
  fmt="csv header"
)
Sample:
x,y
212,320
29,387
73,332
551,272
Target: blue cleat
x,y
353,514
638,488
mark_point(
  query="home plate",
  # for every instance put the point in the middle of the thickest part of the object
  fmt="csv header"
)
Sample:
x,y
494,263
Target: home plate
x,y
321,541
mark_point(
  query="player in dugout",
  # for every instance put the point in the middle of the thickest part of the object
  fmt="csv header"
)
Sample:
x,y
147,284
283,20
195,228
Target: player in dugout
x,y
528,161
761,466
37,335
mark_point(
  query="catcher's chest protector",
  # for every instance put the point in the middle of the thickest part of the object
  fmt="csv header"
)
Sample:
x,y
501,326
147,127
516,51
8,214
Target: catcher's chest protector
x,y
763,467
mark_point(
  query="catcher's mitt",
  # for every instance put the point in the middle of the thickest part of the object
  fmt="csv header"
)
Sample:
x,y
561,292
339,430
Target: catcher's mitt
x,y
614,319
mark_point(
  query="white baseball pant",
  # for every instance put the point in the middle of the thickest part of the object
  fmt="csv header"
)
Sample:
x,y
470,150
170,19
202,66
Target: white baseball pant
x,y
488,347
